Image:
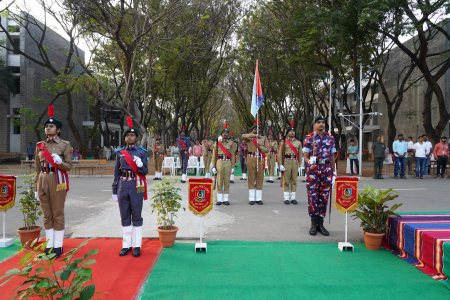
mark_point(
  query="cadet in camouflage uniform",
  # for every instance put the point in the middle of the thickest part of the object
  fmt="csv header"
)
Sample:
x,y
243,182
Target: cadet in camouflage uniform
x,y
320,175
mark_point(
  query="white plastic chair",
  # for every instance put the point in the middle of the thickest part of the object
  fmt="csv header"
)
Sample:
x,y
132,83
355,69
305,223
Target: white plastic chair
x,y
168,163
192,164
201,166
176,165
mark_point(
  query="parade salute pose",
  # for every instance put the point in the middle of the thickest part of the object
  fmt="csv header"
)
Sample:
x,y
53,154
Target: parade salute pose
x,y
53,161
235,154
243,158
272,156
223,166
255,179
130,189
158,157
320,175
291,149
207,145
184,145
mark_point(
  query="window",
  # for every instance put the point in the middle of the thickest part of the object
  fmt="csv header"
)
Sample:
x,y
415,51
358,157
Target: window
x,y
17,84
16,46
116,115
16,111
16,128
14,70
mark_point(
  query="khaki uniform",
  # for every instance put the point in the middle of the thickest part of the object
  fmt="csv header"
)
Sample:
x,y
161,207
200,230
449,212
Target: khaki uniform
x,y
208,147
272,158
291,165
52,202
159,157
255,179
223,166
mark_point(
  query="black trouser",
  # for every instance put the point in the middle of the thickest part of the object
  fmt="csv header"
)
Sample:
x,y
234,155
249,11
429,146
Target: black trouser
x,y
317,219
30,157
351,165
441,165
243,164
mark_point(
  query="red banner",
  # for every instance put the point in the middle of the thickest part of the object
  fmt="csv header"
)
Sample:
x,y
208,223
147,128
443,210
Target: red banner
x,y
7,192
346,194
200,196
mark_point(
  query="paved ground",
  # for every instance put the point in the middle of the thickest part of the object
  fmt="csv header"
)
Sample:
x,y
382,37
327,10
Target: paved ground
x,y
90,211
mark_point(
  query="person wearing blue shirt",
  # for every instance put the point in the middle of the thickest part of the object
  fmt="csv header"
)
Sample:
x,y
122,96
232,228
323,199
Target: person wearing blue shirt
x,y
400,148
352,152
30,151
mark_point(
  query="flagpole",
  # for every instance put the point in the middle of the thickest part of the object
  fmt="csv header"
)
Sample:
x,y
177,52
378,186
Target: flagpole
x,y
257,132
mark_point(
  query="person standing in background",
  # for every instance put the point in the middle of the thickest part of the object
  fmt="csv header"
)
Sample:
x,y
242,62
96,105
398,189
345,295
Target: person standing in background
x,y
400,148
30,151
197,150
272,156
429,147
243,157
378,155
441,154
419,150
409,154
208,146
353,151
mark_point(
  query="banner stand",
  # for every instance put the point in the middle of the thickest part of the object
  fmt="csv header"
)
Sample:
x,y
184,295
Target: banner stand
x,y
345,245
201,245
4,242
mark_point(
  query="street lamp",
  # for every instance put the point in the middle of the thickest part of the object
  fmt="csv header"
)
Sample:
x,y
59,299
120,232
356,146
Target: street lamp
x,y
361,112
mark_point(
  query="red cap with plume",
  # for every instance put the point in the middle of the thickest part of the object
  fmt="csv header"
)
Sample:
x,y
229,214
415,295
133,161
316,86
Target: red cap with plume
x,y
130,122
157,136
292,123
183,128
50,111
207,132
232,133
270,131
226,125
254,123
281,138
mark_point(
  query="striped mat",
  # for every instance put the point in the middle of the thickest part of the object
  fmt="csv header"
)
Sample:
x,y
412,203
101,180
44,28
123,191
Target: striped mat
x,y
423,240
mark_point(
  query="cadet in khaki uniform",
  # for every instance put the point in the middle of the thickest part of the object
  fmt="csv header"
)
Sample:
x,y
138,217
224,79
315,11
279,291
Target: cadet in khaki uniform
x,y
52,182
255,179
224,166
158,157
208,146
272,156
289,164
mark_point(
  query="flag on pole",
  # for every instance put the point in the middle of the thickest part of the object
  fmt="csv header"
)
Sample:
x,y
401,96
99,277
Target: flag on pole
x,y
257,95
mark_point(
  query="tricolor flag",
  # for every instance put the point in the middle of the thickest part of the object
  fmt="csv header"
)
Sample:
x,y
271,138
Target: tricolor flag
x,y
257,95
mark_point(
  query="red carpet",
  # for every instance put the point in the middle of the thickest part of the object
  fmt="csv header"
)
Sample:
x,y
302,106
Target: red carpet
x,y
121,277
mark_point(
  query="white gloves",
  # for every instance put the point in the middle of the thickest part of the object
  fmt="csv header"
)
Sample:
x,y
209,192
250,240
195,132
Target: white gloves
x,y
138,161
57,159
299,170
232,170
282,169
214,171
115,198
219,138
36,196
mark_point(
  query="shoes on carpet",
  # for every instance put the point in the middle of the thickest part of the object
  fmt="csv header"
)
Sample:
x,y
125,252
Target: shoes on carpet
x,y
58,251
137,251
124,251
294,202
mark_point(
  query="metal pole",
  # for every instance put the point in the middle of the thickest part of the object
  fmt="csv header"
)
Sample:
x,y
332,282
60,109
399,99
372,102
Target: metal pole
x,y
346,227
4,226
360,121
201,232
329,113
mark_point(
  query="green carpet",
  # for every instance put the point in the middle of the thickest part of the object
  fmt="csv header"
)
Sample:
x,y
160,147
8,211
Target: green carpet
x,y
286,270
9,251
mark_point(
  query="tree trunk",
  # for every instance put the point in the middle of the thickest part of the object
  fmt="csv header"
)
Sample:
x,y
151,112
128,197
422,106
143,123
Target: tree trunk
x,y
80,142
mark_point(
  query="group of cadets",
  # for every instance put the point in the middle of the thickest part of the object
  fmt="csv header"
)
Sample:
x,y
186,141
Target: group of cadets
x,y
129,188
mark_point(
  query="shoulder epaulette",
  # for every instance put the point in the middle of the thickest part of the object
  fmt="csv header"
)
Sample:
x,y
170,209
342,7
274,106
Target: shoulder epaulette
x,y
117,150
143,149
65,142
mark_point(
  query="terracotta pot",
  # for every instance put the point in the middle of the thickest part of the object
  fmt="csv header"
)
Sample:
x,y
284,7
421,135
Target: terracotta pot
x,y
167,237
373,241
29,235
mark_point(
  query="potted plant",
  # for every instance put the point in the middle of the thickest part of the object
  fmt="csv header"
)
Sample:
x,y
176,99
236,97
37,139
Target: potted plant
x,y
31,211
373,213
166,202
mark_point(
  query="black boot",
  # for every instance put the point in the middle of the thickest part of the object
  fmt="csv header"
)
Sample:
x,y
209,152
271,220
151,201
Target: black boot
x,y
322,229
137,251
124,251
313,229
58,251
